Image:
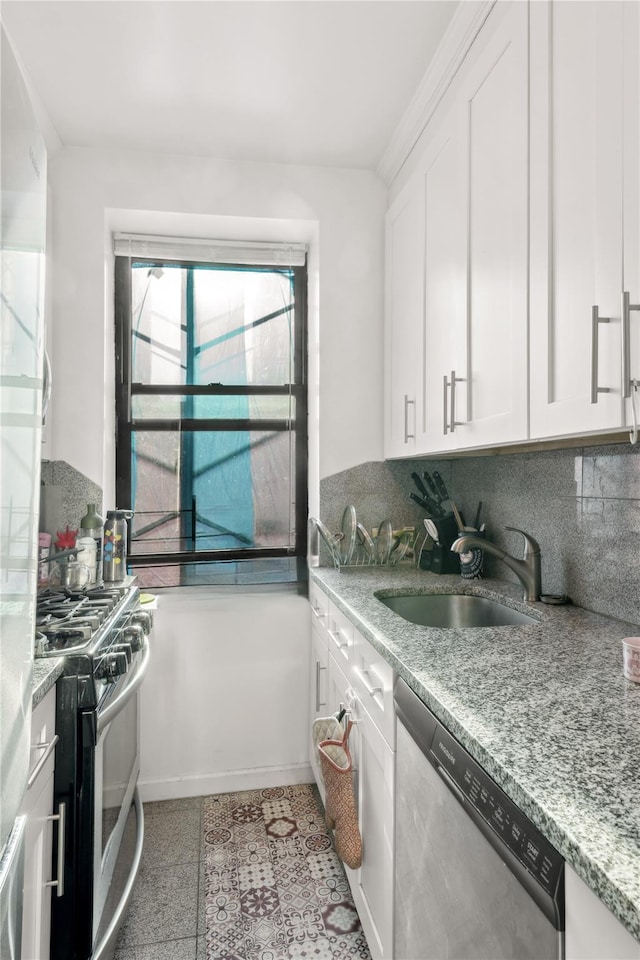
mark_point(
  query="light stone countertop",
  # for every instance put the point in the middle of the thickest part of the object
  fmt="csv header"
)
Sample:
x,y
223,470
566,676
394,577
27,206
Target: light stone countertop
x,y
45,674
545,710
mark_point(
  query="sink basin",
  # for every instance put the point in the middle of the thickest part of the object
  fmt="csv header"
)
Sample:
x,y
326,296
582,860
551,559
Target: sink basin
x,y
455,610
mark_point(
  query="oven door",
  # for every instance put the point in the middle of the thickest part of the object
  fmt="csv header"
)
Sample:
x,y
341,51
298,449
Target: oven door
x,y
117,764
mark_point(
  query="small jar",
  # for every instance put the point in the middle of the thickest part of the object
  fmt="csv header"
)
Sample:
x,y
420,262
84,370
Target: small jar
x,y
44,549
88,554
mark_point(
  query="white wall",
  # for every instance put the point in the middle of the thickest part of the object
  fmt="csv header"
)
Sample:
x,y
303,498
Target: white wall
x,y
225,700
93,190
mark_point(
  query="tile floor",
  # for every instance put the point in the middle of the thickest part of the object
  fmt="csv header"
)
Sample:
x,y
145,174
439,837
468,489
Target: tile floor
x,y
166,919
181,857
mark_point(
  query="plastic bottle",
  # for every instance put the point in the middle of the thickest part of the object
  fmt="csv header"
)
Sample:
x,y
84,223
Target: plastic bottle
x,y
91,525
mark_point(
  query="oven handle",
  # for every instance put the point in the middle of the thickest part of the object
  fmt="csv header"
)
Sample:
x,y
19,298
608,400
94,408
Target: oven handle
x,y
107,715
110,933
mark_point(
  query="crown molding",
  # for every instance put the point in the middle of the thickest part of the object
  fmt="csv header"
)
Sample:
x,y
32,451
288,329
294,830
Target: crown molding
x,y
464,27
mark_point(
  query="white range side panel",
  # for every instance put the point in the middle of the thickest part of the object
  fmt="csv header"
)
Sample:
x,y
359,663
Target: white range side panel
x,y
223,704
23,172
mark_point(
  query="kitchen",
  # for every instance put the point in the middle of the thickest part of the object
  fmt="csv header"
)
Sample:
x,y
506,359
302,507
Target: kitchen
x,y
578,500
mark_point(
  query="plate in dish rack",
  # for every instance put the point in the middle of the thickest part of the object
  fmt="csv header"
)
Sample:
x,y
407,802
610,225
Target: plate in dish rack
x,y
349,538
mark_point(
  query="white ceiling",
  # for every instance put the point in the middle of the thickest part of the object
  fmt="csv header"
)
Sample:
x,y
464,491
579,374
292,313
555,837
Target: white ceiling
x,y
301,81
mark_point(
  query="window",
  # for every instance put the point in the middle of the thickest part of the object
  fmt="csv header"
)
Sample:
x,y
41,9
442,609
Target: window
x,y
211,410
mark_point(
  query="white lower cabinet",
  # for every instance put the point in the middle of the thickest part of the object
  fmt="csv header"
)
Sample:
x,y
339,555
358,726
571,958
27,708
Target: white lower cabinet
x,y
356,675
38,808
592,932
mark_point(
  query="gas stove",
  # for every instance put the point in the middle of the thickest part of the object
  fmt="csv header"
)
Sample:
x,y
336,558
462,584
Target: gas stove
x,y
95,630
103,639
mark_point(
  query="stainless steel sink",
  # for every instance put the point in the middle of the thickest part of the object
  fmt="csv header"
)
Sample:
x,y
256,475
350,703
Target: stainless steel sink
x,y
455,610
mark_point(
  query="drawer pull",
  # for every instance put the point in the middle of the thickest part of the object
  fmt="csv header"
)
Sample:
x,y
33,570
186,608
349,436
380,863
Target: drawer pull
x,y
319,703
60,816
48,750
316,612
366,683
340,644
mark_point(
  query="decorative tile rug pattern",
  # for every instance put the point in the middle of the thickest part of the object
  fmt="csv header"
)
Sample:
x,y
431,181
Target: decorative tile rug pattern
x,y
274,887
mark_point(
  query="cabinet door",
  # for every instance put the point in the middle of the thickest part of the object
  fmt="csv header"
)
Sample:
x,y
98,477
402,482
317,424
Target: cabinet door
x,y
36,911
592,932
494,132
445,334
403,318
577,97
372,883
38,807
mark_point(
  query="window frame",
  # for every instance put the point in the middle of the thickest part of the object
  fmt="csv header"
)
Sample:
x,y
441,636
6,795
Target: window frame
x,y
126,426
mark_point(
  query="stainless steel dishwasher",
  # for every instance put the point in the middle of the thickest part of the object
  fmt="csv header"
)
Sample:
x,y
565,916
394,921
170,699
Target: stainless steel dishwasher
x,y
474,877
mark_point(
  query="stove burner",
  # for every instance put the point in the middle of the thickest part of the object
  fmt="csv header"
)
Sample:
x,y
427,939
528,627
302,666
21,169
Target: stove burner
x,y
60,638
79,622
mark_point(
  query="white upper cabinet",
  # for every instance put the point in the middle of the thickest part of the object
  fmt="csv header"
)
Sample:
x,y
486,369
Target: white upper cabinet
x,y
457,319
444,338
584,212
513,272
403,318
493,107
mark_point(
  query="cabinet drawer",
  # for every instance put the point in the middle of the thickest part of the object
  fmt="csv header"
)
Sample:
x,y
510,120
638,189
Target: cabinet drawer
x,y
43,728
319,602
373,682
340,633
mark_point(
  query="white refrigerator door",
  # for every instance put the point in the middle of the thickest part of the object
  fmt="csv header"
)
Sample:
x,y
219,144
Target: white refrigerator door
x,y
23,178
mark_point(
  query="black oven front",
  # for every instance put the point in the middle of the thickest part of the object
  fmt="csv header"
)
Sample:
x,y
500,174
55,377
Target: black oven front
x,y
97,766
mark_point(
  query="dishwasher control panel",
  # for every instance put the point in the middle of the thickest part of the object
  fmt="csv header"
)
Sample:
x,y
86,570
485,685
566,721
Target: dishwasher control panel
x,y
514,828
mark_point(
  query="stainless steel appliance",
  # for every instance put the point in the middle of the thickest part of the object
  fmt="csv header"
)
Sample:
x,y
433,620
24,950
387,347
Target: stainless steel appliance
x,y
23,182
474,877
103,635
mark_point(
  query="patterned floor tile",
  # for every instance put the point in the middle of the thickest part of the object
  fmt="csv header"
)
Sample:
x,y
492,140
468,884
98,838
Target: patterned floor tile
x,y
274,888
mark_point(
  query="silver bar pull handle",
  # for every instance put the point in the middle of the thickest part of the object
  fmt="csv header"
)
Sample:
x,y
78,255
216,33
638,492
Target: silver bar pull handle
x,y
366,682
407,436
596,320
454,423
61,817
627,307
319,702
48,750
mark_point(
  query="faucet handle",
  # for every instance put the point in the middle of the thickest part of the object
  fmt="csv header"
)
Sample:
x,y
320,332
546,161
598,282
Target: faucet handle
x,y
531,546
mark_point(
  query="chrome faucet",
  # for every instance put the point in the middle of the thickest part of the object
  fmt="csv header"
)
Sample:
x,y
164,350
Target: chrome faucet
x,y
527,570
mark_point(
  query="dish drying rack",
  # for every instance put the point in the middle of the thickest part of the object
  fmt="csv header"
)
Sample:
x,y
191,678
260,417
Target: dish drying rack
x,y
354,546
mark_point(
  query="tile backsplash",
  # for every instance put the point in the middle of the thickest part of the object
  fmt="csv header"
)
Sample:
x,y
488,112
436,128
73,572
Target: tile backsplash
x,y
64,495
582,505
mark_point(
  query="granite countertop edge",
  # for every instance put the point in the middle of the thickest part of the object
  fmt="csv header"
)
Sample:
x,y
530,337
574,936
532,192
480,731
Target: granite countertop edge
x,y
45,675
594,826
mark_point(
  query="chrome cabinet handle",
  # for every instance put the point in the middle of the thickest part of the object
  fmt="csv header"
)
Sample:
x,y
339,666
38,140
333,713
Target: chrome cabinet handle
x,y
61,817
48,750
366,683
316,612
596,320
319,703
408,436
627,307
451,425
340,644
